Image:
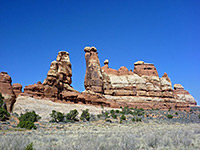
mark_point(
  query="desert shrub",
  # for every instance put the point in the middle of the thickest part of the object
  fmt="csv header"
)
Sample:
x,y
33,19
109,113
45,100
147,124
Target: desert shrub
x,y
169,116
105,114
112,111
85,115
123,117
117,111
99,115
126,110
1,100
29,147
137,119
27,120
138,112
71,116
27,125
199,116
57,116
114,116
176,113
29,116
108,120
4,114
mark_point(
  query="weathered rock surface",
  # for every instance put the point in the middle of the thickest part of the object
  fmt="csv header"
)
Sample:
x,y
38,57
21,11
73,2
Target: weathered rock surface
x,y
58,79
93,76
17,88
57,85
184,95
44,107
7,91
140,88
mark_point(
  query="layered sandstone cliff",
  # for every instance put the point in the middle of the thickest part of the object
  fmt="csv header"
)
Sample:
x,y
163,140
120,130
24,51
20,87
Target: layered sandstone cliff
x,y
139,88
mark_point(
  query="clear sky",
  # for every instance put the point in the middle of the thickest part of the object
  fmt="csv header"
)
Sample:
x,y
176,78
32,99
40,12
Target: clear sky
x,y
163,32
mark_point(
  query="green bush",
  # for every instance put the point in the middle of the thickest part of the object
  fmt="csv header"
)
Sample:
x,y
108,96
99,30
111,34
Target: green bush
x,y
117,111
29,116
199,116
138,112
169,116
29,147
176,113
105,114
112,112
123,117
85,115
27,125
27,120
1,100
4,115
114,116
99,115
71,116
138,119
57,116
126,110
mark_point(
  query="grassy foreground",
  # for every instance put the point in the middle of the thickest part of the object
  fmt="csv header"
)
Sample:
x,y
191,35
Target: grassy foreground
x,y
105,136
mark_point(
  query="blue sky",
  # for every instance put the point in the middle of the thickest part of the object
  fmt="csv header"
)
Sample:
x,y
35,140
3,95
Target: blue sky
x,y
163,32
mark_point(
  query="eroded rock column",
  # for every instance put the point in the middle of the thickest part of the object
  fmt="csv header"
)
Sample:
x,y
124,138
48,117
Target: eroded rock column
x,y
93,77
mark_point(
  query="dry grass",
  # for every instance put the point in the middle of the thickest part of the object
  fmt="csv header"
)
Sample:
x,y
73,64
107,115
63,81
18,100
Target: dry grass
x,y
92,136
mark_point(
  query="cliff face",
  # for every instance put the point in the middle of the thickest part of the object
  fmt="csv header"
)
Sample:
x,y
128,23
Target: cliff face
x,y
140,88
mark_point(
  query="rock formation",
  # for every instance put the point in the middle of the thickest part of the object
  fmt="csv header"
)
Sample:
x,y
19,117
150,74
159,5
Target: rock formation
x,y
17,88
58,79
57,85
7,91
183,95
93,76
140,88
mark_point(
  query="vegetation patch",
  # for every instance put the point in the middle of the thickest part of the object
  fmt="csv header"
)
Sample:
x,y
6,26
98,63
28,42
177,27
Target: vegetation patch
x,y
27,120
85,116
4,114
169,116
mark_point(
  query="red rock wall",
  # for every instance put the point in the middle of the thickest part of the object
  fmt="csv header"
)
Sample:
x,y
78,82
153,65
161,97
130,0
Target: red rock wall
x,y
7,91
